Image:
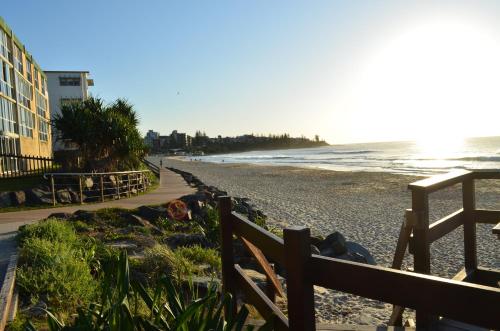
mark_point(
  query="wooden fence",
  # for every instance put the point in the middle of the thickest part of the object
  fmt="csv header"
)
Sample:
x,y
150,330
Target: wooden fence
x,y
12,165
470,303
99,186
419,234
153,167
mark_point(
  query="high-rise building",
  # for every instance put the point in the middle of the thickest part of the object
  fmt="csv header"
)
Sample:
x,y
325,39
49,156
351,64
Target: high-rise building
x,y
66,87
24,105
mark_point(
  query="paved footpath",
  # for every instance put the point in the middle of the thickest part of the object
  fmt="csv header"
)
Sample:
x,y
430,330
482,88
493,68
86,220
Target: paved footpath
x,y
171,186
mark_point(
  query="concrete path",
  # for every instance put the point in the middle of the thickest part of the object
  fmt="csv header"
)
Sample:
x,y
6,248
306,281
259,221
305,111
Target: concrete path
x,y
171,186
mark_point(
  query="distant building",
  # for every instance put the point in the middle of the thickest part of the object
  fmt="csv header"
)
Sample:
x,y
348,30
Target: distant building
x,y
66,87
150,138
24,104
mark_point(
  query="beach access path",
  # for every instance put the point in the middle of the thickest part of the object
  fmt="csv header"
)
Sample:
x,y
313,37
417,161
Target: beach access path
x,y
171,186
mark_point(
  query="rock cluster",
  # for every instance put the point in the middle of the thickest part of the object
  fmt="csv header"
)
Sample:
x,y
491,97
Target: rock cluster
x,y
334,245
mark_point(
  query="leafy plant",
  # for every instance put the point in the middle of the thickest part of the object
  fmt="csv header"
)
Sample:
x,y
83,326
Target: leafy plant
x,y
168,307
199,255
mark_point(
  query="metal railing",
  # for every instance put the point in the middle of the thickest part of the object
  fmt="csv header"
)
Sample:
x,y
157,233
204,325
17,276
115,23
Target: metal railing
x,y
12,165
92,187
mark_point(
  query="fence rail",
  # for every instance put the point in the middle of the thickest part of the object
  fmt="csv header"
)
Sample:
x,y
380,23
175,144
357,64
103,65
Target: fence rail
x,y
467,302
99,186
12,165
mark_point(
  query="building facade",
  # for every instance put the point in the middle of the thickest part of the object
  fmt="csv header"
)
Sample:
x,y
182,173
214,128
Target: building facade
x,y
66,87
24,105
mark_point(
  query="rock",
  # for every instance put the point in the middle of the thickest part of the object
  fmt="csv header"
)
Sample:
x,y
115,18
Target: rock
x,y
86,216
187,240
333,245
38,310
195,202
316,241
75,197
63,216
315,250
18,198
152,213
63,196
5,200
88,183
360,252
139,221
38,196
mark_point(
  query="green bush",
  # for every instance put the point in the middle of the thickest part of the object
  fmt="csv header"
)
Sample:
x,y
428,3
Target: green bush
x,y
55,272
160,260
51,229
199,255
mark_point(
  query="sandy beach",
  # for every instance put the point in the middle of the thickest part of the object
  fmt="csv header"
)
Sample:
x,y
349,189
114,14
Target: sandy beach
x,y
366,207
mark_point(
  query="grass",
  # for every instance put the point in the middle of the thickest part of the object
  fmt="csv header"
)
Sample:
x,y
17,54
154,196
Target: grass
x,y
55,265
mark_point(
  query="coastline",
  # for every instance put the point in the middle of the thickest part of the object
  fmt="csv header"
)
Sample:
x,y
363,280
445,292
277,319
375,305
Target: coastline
x,y
366,207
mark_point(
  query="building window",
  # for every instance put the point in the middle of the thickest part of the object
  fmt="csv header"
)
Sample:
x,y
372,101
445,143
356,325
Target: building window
x,y
69,101
5,79
44,85
41,104
7,122
69,81
37,81
26,122
4,45
43,129
18,59
24,91
28,72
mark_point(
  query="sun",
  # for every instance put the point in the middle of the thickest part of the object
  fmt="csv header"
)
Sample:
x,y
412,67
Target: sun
x,y
434,81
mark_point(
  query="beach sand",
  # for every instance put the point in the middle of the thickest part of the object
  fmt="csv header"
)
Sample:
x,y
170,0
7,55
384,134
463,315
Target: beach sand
x,y
366,207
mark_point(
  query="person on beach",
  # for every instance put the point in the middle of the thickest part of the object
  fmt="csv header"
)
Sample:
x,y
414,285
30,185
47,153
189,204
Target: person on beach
x,y
161,163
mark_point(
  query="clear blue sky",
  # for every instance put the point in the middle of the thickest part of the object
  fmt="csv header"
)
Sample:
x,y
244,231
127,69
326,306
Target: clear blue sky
x,y
303,67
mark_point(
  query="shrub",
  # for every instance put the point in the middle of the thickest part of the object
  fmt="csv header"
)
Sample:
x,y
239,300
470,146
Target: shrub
x,y
199,255
55,272
160,260
51,229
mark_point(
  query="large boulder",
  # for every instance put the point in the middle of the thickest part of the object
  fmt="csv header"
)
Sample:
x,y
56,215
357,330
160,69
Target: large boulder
x,y
357,253
38,196
187,240
86,216
5,200
333,245
152,213
63,196
18,198
135,220
63,216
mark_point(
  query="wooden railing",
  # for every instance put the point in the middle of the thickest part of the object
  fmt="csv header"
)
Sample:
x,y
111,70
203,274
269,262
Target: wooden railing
x,y
419,234
470,303
99,186
12,165
153,167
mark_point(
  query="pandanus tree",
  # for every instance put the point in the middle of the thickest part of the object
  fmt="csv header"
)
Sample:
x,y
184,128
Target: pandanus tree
x,y
106,135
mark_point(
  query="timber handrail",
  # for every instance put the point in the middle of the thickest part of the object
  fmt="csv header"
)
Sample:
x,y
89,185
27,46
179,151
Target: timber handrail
x,y
431,294
425,233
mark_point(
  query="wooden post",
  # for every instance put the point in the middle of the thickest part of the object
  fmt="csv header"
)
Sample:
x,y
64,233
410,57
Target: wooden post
x,y
300,290
118,185
226,235
422,254
469,204
81,189
101,179
128,185
53,187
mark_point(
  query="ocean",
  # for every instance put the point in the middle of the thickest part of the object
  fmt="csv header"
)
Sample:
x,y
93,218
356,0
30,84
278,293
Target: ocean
x,y
412,158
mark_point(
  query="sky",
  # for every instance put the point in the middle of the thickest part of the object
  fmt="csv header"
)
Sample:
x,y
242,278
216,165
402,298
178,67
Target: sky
x,y
349,71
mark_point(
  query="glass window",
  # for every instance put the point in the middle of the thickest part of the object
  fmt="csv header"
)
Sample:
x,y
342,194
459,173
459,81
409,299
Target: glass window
x,y
7,123
41,104
18,59
26,122
43,129
5,79
69,81
28,71
4,45
24,91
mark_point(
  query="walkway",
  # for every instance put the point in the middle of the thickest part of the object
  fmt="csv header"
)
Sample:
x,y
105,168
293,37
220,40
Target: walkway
x,y
171,186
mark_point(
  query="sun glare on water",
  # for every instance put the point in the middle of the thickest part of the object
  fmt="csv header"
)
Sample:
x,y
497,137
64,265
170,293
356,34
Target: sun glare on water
x,y
439,147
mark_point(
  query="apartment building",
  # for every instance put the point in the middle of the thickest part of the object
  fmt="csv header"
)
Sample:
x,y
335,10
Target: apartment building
x,y
66,87
24,106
